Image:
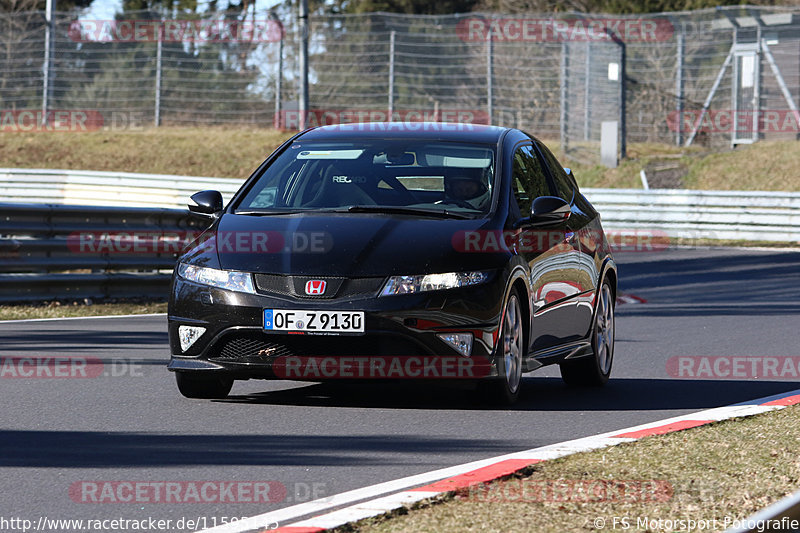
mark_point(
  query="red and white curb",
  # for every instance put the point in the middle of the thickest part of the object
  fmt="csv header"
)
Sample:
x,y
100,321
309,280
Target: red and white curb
x,y
623,298
409,490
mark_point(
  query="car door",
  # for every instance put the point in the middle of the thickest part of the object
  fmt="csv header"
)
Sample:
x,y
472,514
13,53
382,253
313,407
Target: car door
x,y
581,237
550,257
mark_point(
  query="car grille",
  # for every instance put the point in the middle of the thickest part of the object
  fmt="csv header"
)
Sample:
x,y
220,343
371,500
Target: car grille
x,y
250,348
263,347
294,286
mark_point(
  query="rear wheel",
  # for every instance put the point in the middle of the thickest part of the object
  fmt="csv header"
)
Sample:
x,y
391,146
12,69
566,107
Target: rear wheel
x,y
505,390
205,387
596,370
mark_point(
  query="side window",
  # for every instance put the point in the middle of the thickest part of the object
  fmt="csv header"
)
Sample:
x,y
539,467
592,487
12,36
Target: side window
x,y
563,183
528,177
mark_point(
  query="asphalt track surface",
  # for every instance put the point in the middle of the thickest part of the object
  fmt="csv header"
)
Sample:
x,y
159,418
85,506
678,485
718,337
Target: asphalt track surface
x,y
130,424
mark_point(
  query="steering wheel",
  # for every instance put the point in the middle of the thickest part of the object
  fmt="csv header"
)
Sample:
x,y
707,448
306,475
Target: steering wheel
x,y
457,202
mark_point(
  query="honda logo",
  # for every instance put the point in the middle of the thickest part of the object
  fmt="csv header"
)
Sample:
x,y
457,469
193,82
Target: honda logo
x,y
315,287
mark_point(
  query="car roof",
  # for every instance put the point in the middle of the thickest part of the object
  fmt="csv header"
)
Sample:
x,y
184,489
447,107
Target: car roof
x,y
433,131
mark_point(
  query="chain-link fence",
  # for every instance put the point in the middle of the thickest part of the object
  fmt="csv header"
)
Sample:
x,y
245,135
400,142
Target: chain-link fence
x,y
717,77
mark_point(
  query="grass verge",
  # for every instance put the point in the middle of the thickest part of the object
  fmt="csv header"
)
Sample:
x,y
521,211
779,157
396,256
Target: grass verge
x,y
726,470
763,166
236,152
207,151
58,309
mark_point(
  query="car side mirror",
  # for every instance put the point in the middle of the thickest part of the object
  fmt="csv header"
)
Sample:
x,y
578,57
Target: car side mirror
x,y
546,211
207,203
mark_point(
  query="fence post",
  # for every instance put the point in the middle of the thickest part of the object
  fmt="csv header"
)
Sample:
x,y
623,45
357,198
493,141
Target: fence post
x,y
679,87
623,95
157,110
303,16
623,59
49,45
391,73
490,78
586,90
276,121
279,88
563,96
757,88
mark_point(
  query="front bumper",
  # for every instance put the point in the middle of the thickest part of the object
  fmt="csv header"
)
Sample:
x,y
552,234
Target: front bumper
x,y
400,338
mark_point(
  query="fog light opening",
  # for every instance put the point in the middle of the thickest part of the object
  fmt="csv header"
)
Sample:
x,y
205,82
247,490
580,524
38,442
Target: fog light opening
x,y
188,335
461,342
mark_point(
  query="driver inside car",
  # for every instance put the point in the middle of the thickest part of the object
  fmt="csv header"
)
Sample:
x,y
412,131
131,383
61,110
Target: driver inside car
x,y
466,187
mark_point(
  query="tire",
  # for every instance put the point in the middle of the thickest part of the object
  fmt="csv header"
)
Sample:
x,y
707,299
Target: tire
x,y
204,387
505,390
595,370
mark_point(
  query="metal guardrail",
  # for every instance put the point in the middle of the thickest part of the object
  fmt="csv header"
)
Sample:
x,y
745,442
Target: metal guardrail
x,y
692,214
57,251
782,516
38,260
85,187
735,215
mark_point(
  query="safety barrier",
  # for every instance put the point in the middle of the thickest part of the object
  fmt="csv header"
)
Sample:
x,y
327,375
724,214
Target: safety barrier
x,y
42,255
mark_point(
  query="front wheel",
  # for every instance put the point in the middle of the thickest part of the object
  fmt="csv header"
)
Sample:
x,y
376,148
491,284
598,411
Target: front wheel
x,y
204,387
505,390
596,370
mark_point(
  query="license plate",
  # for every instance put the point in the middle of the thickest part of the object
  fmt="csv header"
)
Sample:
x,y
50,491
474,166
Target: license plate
x,y
319,322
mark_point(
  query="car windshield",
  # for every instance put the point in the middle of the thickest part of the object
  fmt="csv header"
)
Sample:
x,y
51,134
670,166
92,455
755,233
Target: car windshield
x,y
402,176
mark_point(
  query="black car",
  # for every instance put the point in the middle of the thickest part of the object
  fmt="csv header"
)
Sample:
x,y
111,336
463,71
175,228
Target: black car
x,y
391,250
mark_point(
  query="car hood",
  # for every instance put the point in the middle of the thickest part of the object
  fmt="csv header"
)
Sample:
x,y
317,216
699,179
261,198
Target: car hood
x,y
346,244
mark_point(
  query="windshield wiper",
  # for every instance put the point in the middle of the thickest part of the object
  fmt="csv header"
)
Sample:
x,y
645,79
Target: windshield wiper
x,y
400,210
256,213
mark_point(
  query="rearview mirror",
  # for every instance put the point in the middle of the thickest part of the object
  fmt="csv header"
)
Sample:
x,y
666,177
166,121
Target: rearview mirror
x,y
208,203
400,158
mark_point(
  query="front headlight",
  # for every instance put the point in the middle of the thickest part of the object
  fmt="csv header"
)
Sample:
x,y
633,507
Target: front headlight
x,y
224,279
432,282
